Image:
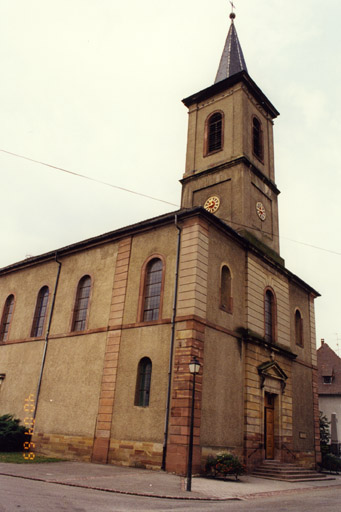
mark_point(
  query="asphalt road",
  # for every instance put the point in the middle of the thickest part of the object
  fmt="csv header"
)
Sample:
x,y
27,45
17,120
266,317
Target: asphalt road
x,y
33,496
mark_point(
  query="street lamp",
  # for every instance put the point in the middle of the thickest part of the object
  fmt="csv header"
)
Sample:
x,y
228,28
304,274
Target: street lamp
x,y
194,367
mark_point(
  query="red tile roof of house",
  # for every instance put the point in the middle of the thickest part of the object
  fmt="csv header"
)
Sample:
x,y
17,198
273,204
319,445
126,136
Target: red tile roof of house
x,y
328,365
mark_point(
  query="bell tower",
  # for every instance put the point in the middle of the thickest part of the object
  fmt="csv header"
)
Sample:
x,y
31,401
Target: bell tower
x,y
230,155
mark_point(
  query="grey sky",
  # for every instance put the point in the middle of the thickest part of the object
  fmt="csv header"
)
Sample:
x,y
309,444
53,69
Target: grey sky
x,y
95,86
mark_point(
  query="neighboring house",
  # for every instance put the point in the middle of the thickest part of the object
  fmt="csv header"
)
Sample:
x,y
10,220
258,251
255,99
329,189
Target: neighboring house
x,y
329,390
108,365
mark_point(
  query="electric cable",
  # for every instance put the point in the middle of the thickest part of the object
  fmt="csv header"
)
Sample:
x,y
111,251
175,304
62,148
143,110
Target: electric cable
x,y
79,175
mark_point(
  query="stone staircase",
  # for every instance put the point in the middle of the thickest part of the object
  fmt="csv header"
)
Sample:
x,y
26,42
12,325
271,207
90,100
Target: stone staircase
x,y
276,470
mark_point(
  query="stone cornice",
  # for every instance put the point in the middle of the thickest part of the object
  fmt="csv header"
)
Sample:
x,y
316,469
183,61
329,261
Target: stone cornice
x,y
232,163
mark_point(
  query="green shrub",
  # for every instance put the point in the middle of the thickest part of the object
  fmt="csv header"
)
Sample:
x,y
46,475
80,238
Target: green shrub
x,y
331,463
12,435
223,465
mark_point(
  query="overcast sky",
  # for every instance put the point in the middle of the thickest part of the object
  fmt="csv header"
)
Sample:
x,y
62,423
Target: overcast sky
x,y
95,87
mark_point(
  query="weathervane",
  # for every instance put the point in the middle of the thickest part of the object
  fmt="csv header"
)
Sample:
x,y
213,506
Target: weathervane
x,y
232,6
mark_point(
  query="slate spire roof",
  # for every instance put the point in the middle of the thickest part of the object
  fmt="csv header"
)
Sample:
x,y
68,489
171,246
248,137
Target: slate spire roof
x,y
232,60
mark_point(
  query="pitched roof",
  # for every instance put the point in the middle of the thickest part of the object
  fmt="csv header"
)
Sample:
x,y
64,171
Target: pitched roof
x,y
329,366
232,60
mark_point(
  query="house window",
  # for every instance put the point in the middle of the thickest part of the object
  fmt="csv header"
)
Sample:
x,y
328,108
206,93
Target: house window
x,y
6,317
40,312
327,379
257,138
144,374
214,133
269,316
81,304
226,289
298,328
152,290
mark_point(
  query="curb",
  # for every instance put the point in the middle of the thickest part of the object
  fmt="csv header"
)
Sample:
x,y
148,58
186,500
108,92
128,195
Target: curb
x,y
128,493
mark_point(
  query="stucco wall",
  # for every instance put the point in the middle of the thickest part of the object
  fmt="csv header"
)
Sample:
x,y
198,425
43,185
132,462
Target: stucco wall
x,y
259,277
99,263
161,242
20,363
70,388
25,285
329,405
222,399
302,404
223,251
131,422
299,299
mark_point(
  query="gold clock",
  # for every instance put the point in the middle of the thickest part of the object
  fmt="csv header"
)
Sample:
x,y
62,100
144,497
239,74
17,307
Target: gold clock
x,y
212,204
260,210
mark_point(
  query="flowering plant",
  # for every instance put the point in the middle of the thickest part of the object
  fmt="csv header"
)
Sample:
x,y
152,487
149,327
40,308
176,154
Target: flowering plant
x,y
224,464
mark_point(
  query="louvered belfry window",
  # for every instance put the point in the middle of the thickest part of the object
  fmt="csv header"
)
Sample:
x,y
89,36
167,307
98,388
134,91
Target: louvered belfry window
x,y
40,312
152,291
257,135
215,129
81,304
298,328
6,317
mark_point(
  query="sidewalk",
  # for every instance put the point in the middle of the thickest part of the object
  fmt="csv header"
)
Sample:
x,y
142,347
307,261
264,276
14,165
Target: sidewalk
x,y
143,482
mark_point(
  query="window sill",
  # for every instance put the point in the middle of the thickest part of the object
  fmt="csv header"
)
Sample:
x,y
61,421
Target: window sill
x,y
226,309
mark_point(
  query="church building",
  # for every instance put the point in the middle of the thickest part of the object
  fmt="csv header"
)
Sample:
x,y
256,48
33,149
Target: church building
x,y
96,338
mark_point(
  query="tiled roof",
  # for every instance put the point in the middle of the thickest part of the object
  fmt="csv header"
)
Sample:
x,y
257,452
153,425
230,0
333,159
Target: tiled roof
x,y
329,368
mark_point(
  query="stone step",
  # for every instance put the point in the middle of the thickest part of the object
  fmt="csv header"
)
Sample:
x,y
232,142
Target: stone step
x,y
289,471
276,470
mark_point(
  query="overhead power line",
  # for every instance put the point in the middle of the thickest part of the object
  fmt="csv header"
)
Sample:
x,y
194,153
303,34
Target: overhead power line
x,y
79,175
281,237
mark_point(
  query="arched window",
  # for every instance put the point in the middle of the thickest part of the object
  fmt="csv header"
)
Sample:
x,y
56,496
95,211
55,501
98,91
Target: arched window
x,y
81,304
298,328
269,316
226,289
257,138
144,374
214,133
6,317
152,290
40,312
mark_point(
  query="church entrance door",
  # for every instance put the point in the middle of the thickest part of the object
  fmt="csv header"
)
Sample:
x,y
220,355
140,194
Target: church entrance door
x,y
269,428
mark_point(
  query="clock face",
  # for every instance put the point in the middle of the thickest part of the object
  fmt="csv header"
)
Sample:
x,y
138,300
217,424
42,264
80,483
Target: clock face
x,y
212,204
261,210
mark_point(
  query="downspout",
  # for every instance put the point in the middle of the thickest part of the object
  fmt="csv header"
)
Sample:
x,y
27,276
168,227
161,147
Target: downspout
x,y
46,340
171,351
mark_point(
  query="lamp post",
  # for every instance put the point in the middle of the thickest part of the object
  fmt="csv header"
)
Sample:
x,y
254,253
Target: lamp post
x,y
194,367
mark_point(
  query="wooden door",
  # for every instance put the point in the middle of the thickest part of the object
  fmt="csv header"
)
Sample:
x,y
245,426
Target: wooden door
x,y
269,426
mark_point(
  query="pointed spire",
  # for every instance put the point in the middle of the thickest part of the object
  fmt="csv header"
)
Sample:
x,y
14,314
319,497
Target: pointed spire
x,y
232,60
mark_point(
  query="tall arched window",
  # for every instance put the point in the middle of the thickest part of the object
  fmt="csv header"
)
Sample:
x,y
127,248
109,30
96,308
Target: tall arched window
x,y
298,328
257,138
40,312
226,289
214,133
143,381
6,317
269,316
152,290
81,304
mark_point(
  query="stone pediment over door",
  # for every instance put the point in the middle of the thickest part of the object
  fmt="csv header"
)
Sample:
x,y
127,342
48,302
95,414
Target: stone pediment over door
x,y
272,376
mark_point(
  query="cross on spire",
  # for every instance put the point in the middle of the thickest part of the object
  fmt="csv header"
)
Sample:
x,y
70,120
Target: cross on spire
x,y
232,13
